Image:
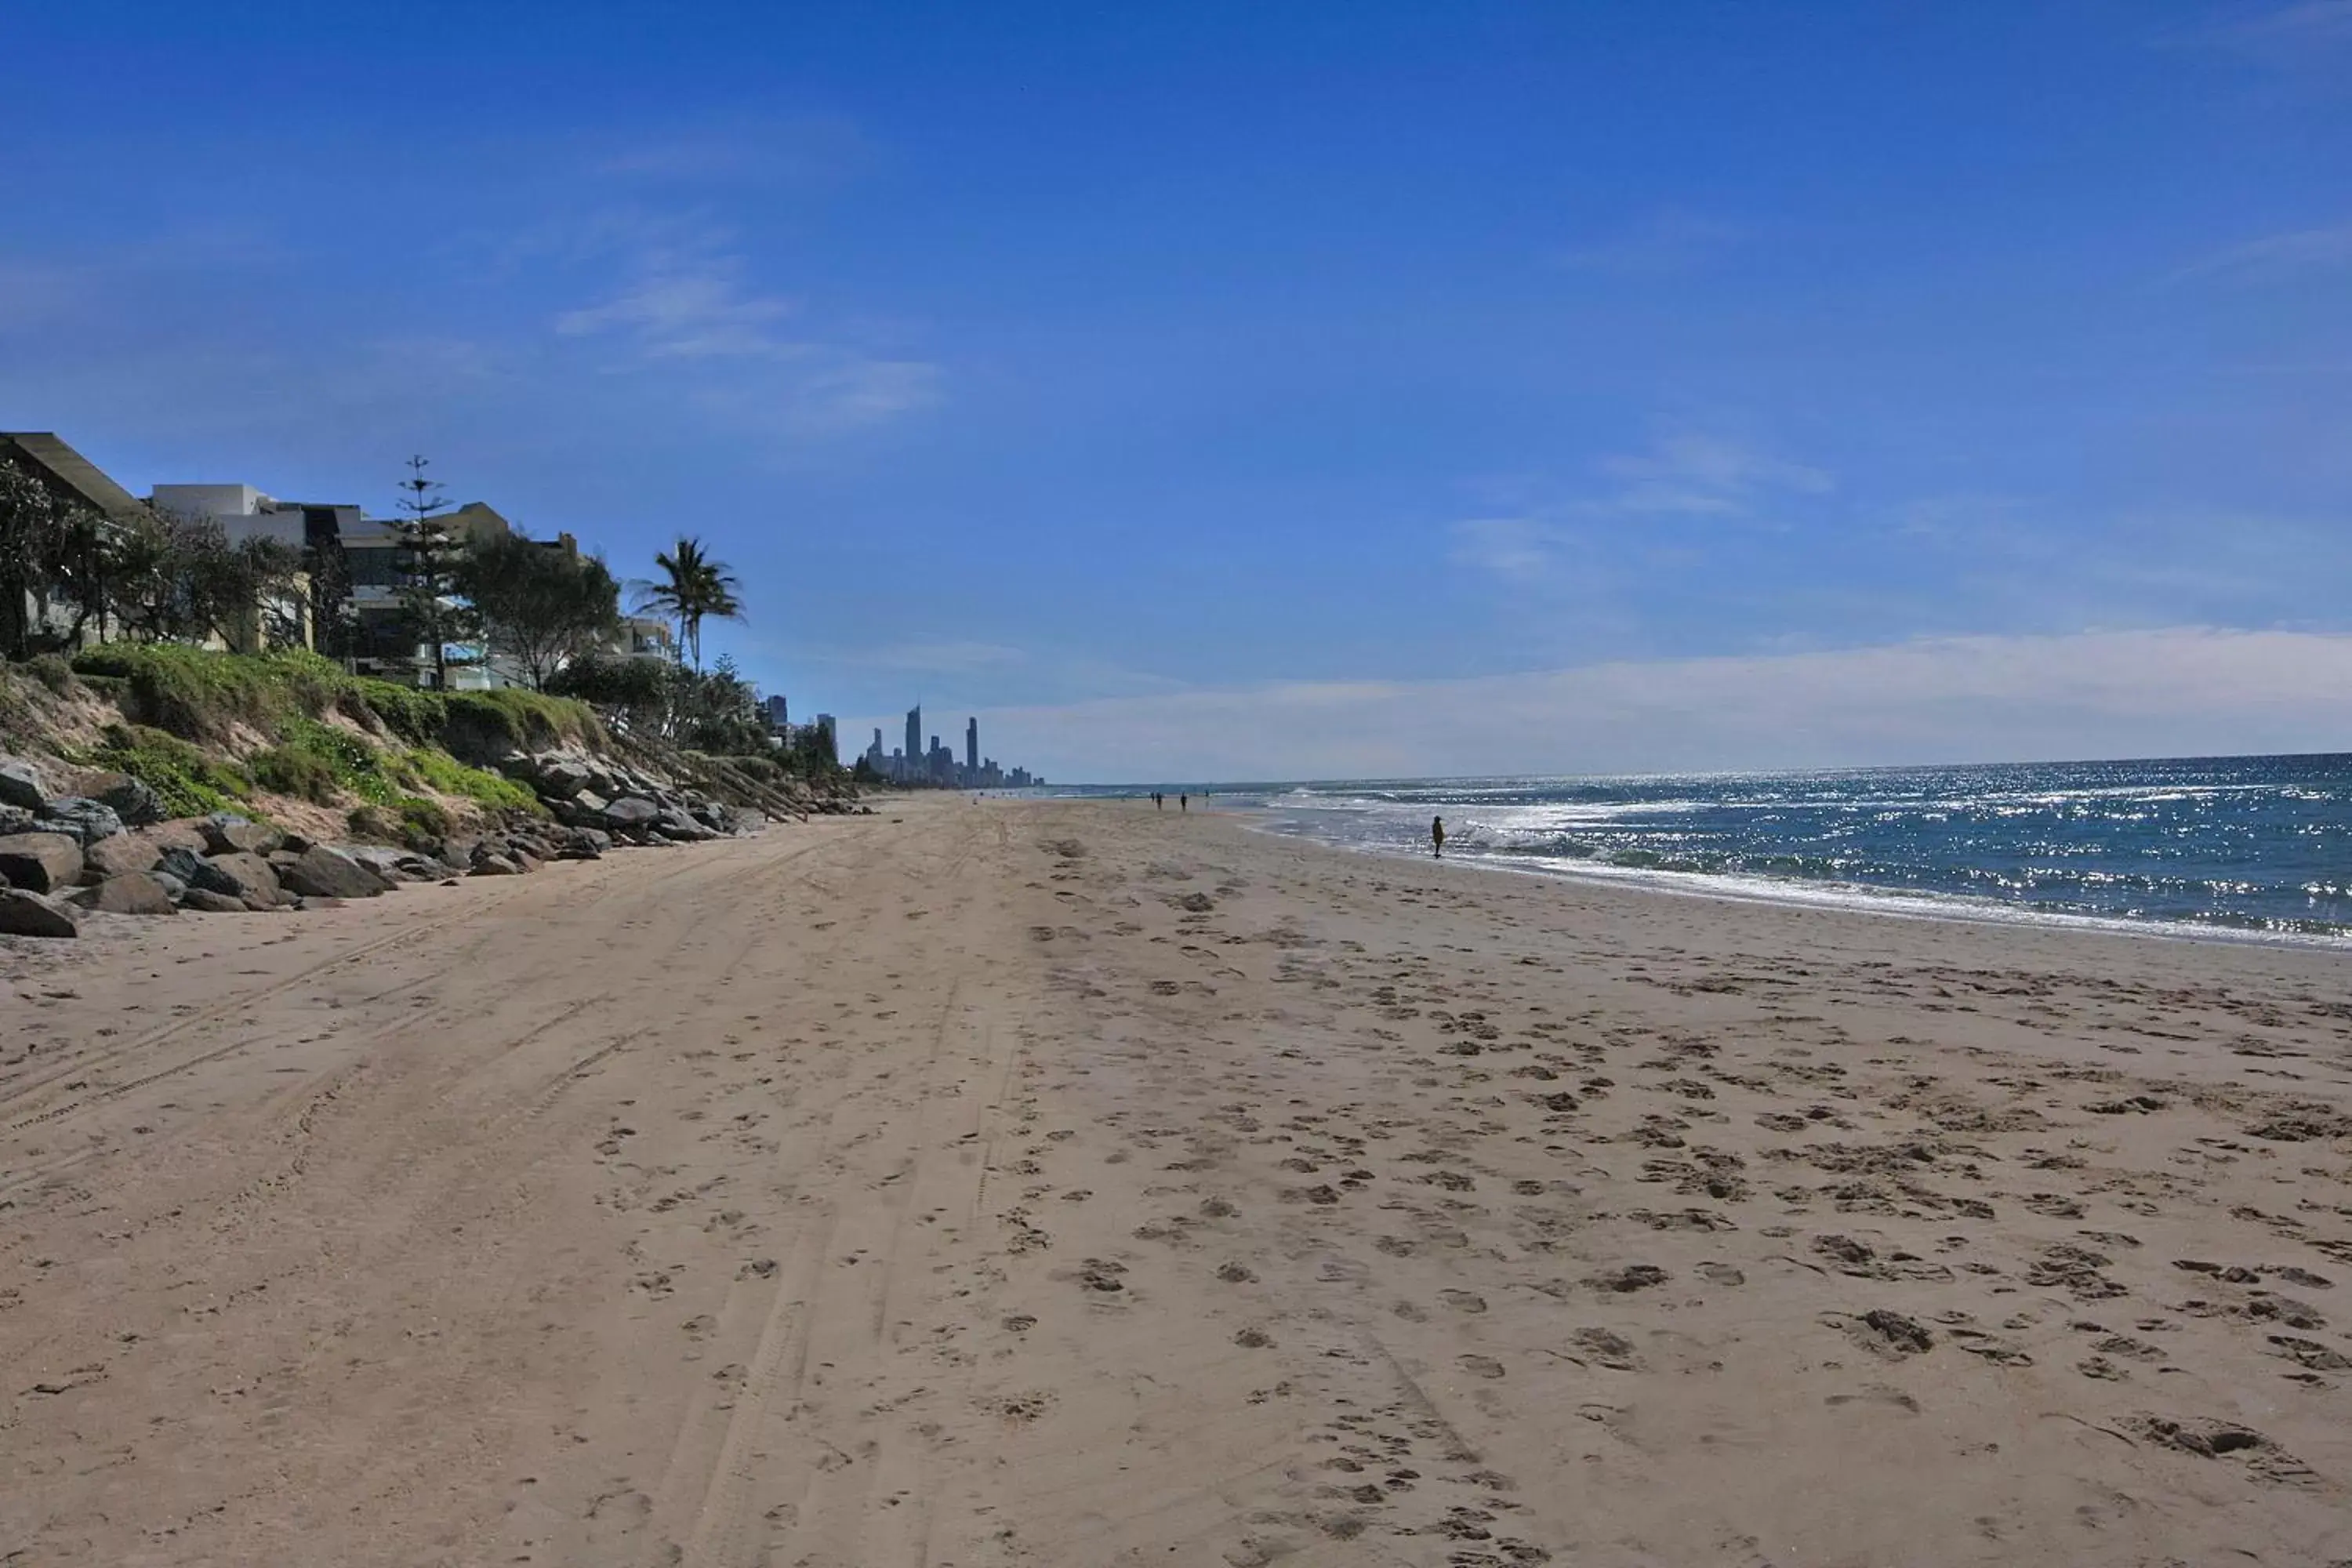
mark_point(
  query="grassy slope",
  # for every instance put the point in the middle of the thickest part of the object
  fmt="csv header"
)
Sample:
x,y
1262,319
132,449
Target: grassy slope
x,y
212,730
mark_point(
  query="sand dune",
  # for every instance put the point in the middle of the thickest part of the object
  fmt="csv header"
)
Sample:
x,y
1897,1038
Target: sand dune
x,y
1074,1185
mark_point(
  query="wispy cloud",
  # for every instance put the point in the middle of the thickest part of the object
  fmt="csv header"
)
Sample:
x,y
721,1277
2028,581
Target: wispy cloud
x,y
1666,242
752,356
696,310
1689,476
2274,257
2181,691
1705,476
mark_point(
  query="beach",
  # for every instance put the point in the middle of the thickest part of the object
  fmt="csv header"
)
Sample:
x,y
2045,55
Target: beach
x,y
1035,1182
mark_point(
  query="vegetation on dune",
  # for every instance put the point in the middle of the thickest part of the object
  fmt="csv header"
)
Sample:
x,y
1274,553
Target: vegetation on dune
x,y
189,781
204,696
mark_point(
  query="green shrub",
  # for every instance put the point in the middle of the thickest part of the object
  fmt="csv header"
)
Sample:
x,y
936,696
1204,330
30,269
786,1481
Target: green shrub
x,y
189,782
423,819
290,770
201,696
489,723
415,716
53,672
440,770
408,820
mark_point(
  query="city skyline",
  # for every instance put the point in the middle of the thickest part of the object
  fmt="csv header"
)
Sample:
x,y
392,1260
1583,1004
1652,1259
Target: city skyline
x,y
935,764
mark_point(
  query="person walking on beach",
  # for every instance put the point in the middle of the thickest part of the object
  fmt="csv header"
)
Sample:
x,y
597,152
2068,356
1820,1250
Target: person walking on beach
x,y
1437,838
1158,803
1183,803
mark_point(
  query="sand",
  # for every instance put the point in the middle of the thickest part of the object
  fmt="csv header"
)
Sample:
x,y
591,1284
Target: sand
x,y
1074,1185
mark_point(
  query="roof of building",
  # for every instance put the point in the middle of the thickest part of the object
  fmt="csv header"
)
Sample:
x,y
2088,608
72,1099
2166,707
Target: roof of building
x,y
63,468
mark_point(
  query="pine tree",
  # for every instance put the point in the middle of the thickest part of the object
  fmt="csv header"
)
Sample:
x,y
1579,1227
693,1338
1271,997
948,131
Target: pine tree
x,y
429,567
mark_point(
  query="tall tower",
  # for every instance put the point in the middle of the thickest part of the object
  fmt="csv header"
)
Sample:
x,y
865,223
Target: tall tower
x,y
971,745
915,732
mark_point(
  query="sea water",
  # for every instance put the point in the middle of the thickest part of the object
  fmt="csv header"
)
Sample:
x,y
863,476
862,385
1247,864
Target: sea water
x,y
2258,846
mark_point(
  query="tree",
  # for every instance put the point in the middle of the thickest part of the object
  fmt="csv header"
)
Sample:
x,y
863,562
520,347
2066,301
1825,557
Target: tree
x,y
429,589
29,528
544,606
238,593
694,587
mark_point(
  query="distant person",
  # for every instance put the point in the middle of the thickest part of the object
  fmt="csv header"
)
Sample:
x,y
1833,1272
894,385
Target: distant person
x,y
1437,836
1158,802
1183,803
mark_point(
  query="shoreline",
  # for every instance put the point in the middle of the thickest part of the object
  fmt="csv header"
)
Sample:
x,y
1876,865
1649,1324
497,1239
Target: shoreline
x,y
1855,898
1037,1184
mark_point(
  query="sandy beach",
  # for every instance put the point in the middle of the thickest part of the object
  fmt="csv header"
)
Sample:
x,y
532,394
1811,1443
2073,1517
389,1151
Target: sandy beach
x,y
1043,1184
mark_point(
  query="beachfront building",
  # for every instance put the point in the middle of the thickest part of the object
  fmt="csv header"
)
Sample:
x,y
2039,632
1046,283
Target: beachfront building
x,y
30,618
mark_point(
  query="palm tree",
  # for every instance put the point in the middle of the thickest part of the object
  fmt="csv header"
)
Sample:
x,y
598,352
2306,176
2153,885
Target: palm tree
x,y
695,586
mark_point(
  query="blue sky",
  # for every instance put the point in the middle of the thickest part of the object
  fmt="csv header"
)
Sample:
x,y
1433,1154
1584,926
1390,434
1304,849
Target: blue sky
x,y
1133,376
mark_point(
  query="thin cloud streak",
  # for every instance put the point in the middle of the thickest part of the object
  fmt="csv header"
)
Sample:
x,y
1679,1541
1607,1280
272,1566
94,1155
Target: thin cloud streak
x,y
2190,690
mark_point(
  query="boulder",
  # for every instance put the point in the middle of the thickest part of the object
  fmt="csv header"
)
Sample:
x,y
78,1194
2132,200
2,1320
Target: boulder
x,y
584,844
29,914
132,893
208,901
561,778
15,819
394,865
743,819
495,866
171,884
86,820
631,811
184,832
21,785
199,875
251,875
120,855
40,862
319,872
685,829
133,800
226,833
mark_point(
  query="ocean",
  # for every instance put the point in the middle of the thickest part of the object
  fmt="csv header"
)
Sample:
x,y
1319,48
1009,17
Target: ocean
x,y
2257,847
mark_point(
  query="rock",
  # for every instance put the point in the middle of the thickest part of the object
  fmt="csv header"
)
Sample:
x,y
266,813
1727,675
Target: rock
x,y
86,820
29,914
199,875
212,903
134,801
120,855
40,862
226,833
561,778
184,832
393,865
15,819
21,785
319,872
743,819
584,844
631,811
251,875
132,893
495,866
679,825
171,884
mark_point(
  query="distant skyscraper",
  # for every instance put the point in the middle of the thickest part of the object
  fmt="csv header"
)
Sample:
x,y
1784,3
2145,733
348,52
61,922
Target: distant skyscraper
x,y
914,731
971,745
779,713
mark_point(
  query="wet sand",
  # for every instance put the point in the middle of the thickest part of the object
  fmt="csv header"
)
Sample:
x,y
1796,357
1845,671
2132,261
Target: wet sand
x,y
1075,1184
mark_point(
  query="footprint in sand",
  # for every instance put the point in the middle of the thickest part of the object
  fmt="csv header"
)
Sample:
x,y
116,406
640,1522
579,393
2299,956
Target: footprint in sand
x,y
1463,1300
